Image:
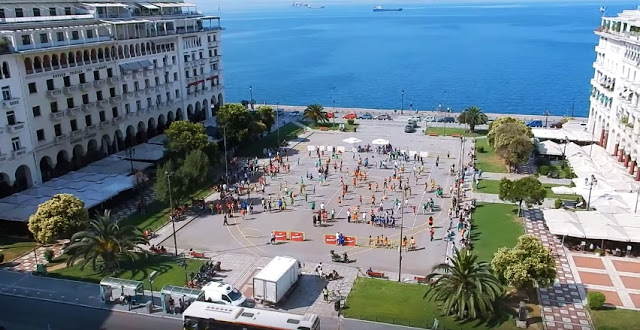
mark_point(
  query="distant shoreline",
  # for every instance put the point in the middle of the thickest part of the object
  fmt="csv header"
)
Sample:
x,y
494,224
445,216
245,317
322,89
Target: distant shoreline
x,y
524,117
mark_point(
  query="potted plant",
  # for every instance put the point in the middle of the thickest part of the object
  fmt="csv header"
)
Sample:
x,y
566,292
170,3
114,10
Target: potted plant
x,y
598,252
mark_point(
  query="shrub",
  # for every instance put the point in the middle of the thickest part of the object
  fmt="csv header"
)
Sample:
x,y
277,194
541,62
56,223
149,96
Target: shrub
x,y
48,255
544,170
350,121
596,299
557,203
481,149
1,258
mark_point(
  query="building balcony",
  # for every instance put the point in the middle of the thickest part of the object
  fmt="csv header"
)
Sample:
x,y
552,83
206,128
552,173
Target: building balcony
x,y
1,130
98,83
76,133
116,120
10,103
151,107
115,99
161,104
214,59
112,80
15,127
73,111
88,106
150,90
61,137
158,70
147,73
104,123
102,103
84,86
137,75
128,96
128,76
168,86
19,152
53,93
70,90
3,157
91,128
169,101
132,114
57,115
139,92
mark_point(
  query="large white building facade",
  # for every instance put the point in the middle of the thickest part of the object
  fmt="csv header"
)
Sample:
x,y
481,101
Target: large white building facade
x,y
83,80
614,116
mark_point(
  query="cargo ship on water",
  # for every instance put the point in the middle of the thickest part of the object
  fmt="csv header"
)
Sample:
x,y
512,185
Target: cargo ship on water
x,y
379,8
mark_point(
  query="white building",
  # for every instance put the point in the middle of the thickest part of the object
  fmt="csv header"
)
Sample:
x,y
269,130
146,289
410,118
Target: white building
x,y
82,80
614,116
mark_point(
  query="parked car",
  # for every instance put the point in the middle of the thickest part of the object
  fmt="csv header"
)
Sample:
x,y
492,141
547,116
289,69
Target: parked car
x,y
295,113
416,118
535,123
330,114
409,129
557,124
351,115
366,115
429,119
280,112
446,120
383,116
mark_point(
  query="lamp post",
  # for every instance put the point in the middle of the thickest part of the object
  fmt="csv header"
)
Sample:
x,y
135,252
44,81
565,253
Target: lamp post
x,y
401,238
226,161
251,96
130,152
278,123
592,184
564,152
546,121
402,102
173,222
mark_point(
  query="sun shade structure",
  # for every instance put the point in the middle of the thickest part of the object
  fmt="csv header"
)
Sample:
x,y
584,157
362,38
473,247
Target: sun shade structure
x,y
594,225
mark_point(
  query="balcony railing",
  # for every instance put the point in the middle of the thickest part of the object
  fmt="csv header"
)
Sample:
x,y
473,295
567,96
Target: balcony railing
x,y
91,128
112,80
102,103
15,127
3,157
53,93
88,106
98,83
61,137
73,111
70,90
115,99
10,103
84,86
76,133
57,115
19,152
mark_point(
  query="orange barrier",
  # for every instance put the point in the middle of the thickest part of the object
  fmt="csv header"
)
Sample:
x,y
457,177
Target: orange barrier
x,y
329,239
350,241
432,134
296,236
280,235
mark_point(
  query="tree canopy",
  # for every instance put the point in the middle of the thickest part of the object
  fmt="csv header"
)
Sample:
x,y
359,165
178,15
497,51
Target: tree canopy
x,y
315,113
178,184
528,190
184,137
241,124
104,241
473,116
195,171
511,139
526,264
60,217
466,286
267,116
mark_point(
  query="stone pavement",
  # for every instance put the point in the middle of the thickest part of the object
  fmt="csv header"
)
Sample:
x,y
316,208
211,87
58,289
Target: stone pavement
x,y
493,198
514,176
28,261
562,305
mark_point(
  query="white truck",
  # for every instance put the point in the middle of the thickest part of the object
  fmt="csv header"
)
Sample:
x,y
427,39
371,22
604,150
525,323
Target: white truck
x,y
275,280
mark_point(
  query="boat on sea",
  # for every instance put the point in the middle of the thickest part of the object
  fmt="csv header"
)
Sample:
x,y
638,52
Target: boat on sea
x,y
379,8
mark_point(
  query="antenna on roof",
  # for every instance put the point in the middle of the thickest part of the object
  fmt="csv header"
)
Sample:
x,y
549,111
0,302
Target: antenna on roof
x,y
603,10
218,10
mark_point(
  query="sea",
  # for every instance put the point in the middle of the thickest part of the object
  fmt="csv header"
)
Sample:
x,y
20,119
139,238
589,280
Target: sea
x,y
523,58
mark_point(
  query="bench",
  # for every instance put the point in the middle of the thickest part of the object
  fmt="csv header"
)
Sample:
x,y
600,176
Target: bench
x,y
197,254
432,134
420,279
455,134
324,128
376,274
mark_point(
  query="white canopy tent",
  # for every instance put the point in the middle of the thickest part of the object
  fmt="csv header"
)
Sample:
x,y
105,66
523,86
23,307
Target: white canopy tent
x,y
549,148
575,132
352,140
594,225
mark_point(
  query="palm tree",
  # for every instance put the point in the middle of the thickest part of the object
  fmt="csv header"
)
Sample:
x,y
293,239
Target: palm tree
x,y
473,116
105,240
315,113
467,287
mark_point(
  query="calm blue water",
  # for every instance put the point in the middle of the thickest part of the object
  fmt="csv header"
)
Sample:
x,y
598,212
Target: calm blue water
x,y
505,59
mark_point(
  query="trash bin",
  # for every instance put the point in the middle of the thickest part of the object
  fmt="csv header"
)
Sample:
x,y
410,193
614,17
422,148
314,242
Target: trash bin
x,y
41,269
149,307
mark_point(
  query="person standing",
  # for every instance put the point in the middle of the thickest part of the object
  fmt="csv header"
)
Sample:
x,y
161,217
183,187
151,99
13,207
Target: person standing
x,y
432,232
225,223
325,293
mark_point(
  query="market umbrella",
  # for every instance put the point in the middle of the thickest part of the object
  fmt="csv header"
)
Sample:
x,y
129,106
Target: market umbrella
x,y
380,141
352,140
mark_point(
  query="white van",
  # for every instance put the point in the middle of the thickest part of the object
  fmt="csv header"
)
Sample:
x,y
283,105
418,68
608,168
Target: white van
x,y
222,293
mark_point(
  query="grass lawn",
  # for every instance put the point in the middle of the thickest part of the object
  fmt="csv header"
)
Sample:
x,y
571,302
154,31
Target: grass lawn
x,y
288,132
615,319
493,187
169,268
399,303
487,160
555,168
13,247
494,226
329,126
449,131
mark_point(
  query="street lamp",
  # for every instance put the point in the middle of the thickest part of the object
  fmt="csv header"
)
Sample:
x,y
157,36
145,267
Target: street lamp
x,y
591,184
402,102
251,96
564,152
173,222
130,152
278,123
401,227
546,121
226,160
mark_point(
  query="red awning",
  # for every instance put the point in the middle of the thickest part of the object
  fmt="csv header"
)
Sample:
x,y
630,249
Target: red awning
x,y
212,77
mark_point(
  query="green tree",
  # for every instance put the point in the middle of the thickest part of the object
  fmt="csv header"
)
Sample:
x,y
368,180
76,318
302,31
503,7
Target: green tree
x,y
315,113
59,217
473,116
184,137
511,139
467,286
528,190
493,127
525,265
195,171
235,119
178,184
267,116
104,241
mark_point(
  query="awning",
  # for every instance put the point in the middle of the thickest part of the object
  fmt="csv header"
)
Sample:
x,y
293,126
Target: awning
x,y
195,83
137,65
147,5
138,21
212,78
106,4
173,4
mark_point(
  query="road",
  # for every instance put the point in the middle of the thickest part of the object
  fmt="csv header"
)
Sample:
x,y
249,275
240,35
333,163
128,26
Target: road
x,y
32,314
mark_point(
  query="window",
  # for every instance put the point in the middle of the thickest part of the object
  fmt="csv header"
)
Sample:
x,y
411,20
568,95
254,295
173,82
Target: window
x,y
15,143
70,102
67,10
186,58
195,72
127,108
157,80
6,93
210,53
99,96
175,76
89,34
138,105
148,101
114,112
19,12
158,99
109,72
11,117
173,59
201,57
186,73
215,52
177,93
83,78
2,15
40,134
74,125
85,98
50,84
136,86
57,129
75,35
36,12
67,81
26,40
155,63
146,83
52,11
96,75
168,95
112,91
103,116
36,111
125,88
60,36
54,107
87,120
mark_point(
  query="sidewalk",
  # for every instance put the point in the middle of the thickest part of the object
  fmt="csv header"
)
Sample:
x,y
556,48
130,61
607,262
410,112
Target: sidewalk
x,y
549,203
514,176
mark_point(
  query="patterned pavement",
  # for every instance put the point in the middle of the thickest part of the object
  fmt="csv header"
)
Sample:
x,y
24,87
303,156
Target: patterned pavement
x,y
562,304
27,262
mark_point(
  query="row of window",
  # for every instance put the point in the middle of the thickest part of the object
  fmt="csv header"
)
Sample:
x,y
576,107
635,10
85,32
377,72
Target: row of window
x,y
60,36
38,11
